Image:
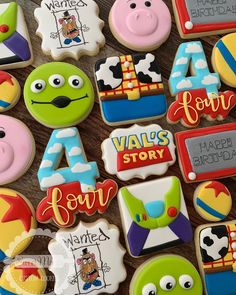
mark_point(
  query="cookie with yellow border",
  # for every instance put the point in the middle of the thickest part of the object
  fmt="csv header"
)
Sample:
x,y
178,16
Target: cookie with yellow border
x,y
10,91
24,277
224,59
212,201
17,220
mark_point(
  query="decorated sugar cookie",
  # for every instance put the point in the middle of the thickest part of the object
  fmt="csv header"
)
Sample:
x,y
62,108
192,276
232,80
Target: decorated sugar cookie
x,y
9,91
58,95
216,253
72,29
140,25
132,83
224,59
196,96
138,152
87,259
203,18
15,46
164,274
23,277
72,189
207,153
16,220
17,149
154,216
212,200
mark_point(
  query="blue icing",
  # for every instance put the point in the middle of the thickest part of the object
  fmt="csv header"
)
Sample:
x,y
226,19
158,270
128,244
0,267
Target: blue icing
x,y
192,53
119,110
221,283
79,169
2,256
155,208
5,292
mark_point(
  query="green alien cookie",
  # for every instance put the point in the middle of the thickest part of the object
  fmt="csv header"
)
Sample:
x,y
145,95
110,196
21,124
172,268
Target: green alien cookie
x,y
58,95
167,274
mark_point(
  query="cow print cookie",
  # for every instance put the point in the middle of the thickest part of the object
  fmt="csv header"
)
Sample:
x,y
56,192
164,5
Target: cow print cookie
x,y
216,252
130,89
72,29
138,152
15,46
140,25
154,216
164,274
87,259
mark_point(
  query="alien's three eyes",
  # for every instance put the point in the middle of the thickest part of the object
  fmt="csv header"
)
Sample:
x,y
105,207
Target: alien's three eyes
x,y
134,5
56,81
168,283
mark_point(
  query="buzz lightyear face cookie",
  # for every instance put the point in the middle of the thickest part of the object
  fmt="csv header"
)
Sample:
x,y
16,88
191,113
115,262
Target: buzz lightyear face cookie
x,y
58,95
166,274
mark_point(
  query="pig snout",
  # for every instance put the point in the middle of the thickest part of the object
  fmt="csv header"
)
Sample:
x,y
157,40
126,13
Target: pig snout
x,y
142,22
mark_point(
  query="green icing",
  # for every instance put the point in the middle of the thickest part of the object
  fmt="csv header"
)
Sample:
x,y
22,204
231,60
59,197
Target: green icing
x,y
153,271
9,18
42,105
136,207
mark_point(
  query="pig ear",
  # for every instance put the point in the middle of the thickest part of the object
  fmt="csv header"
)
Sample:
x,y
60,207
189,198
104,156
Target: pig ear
x,y
79,260
61,21
73,17
93,256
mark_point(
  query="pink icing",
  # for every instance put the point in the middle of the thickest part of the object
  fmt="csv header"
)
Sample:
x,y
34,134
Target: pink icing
x,y
146,25
17,149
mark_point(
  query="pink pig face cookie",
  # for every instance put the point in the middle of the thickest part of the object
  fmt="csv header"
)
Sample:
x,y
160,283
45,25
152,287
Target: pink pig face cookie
x,y
139,24
17,149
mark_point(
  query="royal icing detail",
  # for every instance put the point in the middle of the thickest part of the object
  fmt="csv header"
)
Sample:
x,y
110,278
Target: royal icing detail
x,y
132,83
212,201
15,47
196,96
166,273
72,29
154,216
63,202
207,153
138,152
140,25
23,277
216,245
72,189
16,217
224,59
196,18
17,149
58,95
88,266
9,91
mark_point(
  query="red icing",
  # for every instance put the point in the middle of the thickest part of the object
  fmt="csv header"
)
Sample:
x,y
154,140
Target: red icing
x,y
190,106
5,77
218,187
19,210
69,200
172,211
28,269
184,17
136,162
4,28
184,157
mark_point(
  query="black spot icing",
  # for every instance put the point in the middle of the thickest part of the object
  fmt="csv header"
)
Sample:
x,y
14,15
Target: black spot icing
x,y
208,241
220,231
153,68
116,73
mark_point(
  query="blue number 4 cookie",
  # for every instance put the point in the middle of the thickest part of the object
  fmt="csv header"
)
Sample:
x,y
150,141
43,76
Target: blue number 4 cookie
x,y
130,89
